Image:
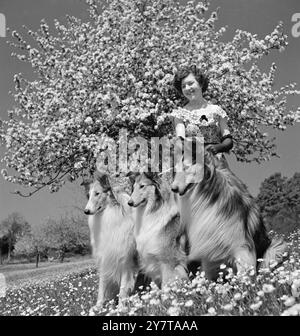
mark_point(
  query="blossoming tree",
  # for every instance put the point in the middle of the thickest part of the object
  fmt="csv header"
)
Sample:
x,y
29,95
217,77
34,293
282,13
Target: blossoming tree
x,y
115,71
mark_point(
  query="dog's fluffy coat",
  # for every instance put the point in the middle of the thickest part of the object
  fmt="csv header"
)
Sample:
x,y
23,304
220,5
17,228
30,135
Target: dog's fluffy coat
x,y
111,233
222,220
158,230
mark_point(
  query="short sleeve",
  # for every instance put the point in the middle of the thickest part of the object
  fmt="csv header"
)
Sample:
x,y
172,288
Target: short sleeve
x,y
220,112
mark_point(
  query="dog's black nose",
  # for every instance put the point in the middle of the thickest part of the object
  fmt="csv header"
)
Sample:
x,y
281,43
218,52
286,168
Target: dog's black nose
x,y
174,189
87,211
130,202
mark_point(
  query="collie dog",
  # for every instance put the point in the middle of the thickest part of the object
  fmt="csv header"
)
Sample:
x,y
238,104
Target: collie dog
x,y
158,232
112,240
222,220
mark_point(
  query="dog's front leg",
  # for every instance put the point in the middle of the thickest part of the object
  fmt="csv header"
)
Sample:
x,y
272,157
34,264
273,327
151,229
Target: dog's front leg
x,y
181,272
102,286
245,260
167,274
103,291
126,286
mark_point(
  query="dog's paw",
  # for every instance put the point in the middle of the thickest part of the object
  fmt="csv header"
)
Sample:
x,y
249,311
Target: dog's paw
x,y
122,303
96,309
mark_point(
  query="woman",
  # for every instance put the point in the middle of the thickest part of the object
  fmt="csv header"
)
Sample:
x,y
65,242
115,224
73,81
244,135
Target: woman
x,y
192,83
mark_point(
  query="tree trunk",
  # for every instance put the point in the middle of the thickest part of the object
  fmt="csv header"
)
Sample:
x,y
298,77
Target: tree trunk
x,y
10,245
37,259
1,257
61,255
9,250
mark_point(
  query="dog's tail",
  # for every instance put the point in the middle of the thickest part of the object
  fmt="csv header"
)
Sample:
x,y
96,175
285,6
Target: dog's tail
x,y
275,253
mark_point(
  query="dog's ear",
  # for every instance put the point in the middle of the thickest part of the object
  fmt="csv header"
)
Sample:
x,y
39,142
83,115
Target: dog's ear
x,y
86,184
102,178
132,177
155,178
157,182
86,189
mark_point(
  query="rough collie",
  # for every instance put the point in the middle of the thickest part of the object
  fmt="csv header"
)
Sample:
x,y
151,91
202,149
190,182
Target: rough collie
x,y
222,220
158,231
111,232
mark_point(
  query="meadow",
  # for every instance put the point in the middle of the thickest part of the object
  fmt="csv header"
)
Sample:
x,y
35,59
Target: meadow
x,y
73,291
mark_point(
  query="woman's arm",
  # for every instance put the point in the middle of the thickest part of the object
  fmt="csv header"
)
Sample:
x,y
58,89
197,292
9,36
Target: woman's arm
x,y
224,146
226,140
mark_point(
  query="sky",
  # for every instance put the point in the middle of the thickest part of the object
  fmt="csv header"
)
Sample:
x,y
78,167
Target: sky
x,y
257,16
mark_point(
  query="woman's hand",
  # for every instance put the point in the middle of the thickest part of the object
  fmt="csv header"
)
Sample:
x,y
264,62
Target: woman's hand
x,y
214,149
223,147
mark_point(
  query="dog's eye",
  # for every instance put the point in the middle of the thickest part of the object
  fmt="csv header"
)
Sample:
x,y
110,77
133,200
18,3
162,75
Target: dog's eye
x,y
97,193
142,186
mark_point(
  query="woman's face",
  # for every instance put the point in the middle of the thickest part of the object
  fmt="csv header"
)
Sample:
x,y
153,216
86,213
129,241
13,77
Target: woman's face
x,y
191,88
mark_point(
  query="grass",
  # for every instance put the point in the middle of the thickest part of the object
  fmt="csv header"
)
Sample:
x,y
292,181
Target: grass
x,y
18,275
270,292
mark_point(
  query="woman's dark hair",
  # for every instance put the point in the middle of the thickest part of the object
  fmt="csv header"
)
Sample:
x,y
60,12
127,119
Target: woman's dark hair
x,y
184,72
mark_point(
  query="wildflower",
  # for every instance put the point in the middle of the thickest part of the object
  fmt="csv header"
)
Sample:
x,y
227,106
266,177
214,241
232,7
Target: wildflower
x,y
212,311
88,120
252,272
237,296
289,301
245,293
209,299
189,303
292,311
296,288
228,307
267,288
77,165
260,293
145,297
154,302
173,311
174,302
284,297
256,306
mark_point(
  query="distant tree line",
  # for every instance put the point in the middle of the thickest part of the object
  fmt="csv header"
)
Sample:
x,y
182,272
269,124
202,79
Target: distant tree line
x,y
279,200
57,237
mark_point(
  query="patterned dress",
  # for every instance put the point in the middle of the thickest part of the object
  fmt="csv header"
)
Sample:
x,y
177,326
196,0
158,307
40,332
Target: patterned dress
x,y
209,122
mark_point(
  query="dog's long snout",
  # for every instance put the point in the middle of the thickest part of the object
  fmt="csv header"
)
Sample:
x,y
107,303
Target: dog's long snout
x,y
130,202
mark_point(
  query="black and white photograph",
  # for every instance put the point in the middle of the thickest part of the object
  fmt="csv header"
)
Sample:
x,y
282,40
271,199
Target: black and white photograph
x,y
150,161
